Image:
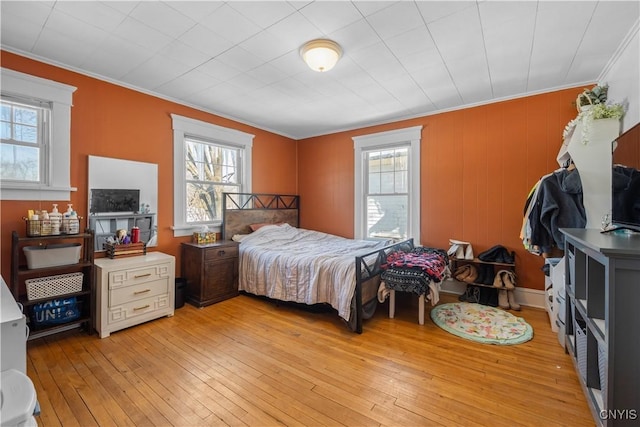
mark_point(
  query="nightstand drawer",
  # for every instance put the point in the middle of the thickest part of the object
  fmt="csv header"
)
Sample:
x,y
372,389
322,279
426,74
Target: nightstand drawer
x,y
138,292
221,252
122,278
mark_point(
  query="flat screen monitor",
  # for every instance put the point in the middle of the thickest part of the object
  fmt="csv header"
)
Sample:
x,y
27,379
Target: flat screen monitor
x,y
625,179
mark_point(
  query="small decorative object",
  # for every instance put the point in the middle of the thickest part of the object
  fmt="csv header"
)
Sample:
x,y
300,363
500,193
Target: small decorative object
x,y
204,236
592,105
589,97
122,238
125,250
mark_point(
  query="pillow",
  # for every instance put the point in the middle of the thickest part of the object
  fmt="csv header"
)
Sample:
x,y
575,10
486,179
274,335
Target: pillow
x,y
238,237
259,225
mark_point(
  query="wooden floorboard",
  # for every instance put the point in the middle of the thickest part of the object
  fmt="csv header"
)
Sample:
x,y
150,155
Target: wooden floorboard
x,y
248,361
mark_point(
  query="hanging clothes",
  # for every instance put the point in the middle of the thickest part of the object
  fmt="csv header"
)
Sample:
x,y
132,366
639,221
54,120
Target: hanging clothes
x,y
557,204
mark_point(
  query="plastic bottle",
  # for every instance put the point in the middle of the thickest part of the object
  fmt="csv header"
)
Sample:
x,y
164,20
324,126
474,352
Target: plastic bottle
x,y
56,220
66,220
45,223
74,223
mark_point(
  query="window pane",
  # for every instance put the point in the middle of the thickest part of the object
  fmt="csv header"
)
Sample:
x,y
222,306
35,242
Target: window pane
x,y
374,161
374,183
5,113
387,216
401,182
386,182
27,116
20,163
25,133
204,201
5,130
211,163
386,160
402,156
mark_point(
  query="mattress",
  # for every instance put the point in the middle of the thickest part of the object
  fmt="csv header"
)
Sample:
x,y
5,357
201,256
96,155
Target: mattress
x,y
304,266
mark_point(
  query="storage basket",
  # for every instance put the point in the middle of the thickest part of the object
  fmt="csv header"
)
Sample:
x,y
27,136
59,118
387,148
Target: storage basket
x,y
602,370
52,286
43,227
581,346
52,255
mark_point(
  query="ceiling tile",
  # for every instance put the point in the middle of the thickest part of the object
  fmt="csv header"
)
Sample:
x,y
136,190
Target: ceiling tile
x,y
239,58
263,13
331,16
136,32
97,15
187,55
155,72
162,17
114,58
197,10
230,24
203,39
193,81
386,21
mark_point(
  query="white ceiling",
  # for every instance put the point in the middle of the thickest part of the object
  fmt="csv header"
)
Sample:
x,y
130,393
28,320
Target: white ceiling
x,y
402,59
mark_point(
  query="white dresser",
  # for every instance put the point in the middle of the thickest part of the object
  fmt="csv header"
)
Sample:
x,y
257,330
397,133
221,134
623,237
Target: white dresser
x,y
133,290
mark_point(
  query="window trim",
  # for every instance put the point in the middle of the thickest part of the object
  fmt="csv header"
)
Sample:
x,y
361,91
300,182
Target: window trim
x,y
382,140
185,126
57,183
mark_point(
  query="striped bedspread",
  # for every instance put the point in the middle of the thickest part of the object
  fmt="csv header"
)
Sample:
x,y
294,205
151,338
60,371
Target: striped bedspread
x,y
305,266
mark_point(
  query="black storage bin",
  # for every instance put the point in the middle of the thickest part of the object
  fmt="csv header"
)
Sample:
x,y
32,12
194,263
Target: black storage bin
x,y
181,285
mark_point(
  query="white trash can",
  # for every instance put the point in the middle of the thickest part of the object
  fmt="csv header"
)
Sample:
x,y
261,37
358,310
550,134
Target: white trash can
x,y
18,399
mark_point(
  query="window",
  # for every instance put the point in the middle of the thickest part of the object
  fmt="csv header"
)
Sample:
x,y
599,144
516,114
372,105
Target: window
x,y
387,189
35,119
24,127
208,160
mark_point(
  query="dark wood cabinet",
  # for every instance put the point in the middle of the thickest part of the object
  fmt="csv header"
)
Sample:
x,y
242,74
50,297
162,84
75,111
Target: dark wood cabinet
x,y
211,271
55,282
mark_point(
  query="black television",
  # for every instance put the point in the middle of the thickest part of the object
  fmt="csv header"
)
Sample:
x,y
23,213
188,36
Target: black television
x,y
625,181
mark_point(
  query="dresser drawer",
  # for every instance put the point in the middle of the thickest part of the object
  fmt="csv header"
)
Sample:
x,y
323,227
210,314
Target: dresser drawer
x,y
134,276
133,309
138,292
221,252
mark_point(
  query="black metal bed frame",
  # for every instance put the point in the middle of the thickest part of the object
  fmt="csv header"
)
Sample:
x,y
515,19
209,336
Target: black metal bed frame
x,y
366,271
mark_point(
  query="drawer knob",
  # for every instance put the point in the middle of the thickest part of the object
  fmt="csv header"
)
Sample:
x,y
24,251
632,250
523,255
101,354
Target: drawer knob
x,y
141,308
141,275
221,252
142,292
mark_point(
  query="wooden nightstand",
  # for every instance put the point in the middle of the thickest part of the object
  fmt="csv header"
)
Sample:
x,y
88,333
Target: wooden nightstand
x,y
211,271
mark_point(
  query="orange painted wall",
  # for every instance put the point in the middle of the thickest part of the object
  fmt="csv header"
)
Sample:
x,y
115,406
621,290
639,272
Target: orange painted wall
x,y
477,168
112,121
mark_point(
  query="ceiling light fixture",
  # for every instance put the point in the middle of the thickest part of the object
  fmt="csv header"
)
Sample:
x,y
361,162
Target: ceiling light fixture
x,y
321,55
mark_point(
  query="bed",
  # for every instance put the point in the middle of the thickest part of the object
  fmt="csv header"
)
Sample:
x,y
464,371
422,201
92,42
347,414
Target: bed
x,y
281,261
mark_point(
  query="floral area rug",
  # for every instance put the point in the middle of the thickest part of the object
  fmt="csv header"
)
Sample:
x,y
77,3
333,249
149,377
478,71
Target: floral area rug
x,y
481,323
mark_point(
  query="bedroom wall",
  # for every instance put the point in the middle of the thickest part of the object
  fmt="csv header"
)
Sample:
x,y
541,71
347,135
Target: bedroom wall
x,y
113,121
477,168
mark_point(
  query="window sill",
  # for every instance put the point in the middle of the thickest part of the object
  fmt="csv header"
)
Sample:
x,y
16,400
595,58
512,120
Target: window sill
x,y
188,230
9,192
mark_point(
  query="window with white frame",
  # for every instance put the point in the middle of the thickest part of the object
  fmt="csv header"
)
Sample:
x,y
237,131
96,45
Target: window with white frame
x,y
35,121
208,161
387,190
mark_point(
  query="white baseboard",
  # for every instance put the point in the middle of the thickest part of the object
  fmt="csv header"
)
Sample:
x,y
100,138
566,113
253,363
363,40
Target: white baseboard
x,y
524,296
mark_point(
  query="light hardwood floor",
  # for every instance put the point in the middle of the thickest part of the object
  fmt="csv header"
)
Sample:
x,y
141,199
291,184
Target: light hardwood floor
x,y
247,361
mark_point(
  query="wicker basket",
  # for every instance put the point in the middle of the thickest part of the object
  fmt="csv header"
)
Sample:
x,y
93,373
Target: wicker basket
x,y
52,286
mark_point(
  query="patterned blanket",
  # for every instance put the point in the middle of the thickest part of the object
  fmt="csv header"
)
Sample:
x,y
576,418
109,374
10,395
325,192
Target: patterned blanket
x,y
413,271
